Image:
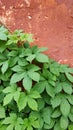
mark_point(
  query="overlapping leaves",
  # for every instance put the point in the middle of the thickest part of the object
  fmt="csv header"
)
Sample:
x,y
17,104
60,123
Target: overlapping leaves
x,y
36,93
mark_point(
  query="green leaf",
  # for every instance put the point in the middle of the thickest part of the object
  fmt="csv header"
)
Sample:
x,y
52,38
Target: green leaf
x,y
31,57
46,98
56,101
11,89
10,127
27,83
41,104
71,117
22,62
17,77
56,113
70,99
16,96
54,68
14,121
35,124
57,126
27,37
2,46
40,87
32,67
22,102
58,87
65,107
34,76
8,99
42,58
70,127
18,127
50,90
42,49
17,68
64,122
3,127
3,33
6,121
2,112
67,87
34,94
47,126
4,67
47,115
32,104
12,53
29,128
3,36
12,61
70,77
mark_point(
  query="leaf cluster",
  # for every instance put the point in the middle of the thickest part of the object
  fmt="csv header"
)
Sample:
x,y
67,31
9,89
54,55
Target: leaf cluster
x,y
36,92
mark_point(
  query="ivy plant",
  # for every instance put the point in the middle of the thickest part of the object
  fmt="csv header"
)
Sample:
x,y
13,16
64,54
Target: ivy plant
x,y
36,92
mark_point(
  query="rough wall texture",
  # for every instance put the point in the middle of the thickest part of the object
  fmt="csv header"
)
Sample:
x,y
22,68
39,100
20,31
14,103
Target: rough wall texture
x,y
51,22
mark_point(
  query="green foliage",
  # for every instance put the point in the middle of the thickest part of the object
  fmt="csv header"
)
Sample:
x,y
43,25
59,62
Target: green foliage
x,y
36,92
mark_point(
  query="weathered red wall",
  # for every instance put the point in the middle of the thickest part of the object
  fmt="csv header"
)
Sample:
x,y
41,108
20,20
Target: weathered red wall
x,y
51,22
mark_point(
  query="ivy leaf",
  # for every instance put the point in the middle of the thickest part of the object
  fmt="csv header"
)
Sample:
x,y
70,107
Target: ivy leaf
x,y
64,122
70,77
27,83
42,58
4,66
32,104
65,107
2,112
34,76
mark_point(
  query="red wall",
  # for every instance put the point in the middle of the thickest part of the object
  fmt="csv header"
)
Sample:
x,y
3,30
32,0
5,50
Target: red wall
x,y
51,22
